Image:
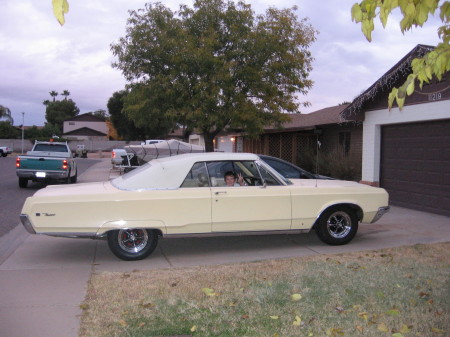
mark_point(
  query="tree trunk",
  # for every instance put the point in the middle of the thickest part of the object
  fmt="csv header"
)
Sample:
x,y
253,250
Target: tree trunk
x,y
209,142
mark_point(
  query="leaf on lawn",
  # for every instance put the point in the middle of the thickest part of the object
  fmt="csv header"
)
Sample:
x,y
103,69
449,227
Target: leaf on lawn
x,y
405,329
246,316
297,321
339,309
123,323
397,334
274,317
296,297
392,312
359,328
194,328
333,332
209,292
363,315
141,325
438,331
382,327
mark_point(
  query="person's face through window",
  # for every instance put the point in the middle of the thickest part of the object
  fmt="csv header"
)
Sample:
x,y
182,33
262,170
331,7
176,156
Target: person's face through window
x,y
230,180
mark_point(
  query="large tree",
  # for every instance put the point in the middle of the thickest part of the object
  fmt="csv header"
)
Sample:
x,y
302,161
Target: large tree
x,y
214,66
58,111
434,64
5,115
124,126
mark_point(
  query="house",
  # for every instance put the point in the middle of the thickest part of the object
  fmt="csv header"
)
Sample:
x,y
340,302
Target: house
x,y
85,127
407,151
313,141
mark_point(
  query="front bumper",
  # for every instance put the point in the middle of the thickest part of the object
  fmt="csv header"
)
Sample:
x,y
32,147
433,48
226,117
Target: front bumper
x,y
380,213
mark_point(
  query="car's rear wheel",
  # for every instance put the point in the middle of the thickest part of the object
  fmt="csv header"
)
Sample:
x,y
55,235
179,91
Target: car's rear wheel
x,y
74,179
337,225
132,244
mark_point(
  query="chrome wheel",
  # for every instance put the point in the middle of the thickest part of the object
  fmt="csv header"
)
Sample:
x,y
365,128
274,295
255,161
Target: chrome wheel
x,y
339,224
132,240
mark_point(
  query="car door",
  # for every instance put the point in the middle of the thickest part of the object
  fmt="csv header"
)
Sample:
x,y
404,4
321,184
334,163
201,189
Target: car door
x,y
259,206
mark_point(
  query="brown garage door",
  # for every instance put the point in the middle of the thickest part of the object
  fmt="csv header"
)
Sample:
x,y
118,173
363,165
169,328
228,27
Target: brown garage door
x,y
415,165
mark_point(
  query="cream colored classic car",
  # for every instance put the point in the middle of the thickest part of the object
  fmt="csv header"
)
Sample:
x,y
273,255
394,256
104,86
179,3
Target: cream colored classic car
x,y
187,194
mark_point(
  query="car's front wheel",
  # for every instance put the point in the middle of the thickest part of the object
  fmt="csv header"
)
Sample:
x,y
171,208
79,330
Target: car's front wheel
x,y
132,244
337,225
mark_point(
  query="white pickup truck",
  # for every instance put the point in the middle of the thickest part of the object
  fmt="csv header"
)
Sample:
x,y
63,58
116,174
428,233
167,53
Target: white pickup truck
x,y
4,151
47,161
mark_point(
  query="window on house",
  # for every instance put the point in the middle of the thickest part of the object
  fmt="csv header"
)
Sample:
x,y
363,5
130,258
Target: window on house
x,y
344,141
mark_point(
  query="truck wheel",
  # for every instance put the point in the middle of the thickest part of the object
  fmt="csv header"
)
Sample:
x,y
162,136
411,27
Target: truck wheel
x,y
74,179
23,182
132,244
4,154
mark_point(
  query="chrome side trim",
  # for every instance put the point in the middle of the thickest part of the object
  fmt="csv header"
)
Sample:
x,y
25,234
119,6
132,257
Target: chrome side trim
x,y
27,223
380,213
224,234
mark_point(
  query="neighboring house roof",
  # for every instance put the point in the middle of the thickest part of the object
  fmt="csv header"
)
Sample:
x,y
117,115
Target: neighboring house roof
x,y
86,117
85,132
330,115
386,82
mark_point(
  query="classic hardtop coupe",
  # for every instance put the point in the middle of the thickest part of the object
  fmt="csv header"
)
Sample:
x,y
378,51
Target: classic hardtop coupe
x,y
187,195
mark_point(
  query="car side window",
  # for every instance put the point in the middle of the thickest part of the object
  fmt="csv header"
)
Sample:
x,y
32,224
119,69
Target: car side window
x,y
269,180
197,176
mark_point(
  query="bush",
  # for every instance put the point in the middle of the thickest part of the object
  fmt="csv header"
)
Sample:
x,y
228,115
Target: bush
x,y
332,163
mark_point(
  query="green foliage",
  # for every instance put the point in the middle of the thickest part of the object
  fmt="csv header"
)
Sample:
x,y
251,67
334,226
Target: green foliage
x,y
7,131
415,13
58,111
214,66
5,114
60,7
122,123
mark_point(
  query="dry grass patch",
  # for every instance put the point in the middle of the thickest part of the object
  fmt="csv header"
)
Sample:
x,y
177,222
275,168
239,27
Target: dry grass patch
x,y
393,292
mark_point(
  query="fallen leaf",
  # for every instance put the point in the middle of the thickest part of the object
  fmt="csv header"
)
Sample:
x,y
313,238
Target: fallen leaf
x,y
246,316
274,317
123,323
333,332
359,328
296,297
142,324
209,292
438,331
363,315
297,321
382,327
404,329
397,334
339,309
392,312
194,328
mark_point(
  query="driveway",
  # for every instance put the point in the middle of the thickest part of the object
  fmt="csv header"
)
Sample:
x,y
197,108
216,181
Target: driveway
x,y
43,280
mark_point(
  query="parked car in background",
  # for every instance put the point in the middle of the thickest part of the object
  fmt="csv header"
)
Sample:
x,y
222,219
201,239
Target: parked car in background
x,y
289,170
187,195
4,151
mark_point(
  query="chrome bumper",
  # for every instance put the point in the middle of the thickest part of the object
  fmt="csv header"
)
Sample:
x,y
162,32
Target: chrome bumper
x,y
27,223
380,213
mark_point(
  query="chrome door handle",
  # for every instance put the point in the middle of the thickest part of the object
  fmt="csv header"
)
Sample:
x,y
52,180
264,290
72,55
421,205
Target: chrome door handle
x,y
220,192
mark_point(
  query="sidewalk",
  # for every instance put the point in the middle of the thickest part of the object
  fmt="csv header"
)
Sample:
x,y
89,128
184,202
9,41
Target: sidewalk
x,y
44,280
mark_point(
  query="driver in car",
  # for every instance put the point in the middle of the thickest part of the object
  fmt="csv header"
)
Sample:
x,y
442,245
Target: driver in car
x,y
232,180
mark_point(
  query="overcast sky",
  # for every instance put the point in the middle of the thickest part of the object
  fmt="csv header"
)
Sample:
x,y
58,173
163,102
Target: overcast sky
x,y
37,55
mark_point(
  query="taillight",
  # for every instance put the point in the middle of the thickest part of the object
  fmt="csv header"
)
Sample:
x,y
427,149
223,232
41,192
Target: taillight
x,y
113,154
17,162
65,164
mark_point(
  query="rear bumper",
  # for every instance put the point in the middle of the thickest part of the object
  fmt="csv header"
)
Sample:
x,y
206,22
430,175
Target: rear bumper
x,y
49,175
380,213
27,223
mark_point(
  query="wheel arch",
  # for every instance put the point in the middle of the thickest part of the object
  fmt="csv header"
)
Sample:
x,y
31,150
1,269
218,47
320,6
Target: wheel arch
x,y
352,206
154,225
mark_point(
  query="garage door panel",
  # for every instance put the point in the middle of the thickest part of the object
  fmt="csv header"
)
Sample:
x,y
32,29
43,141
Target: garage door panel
x,y
415,165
